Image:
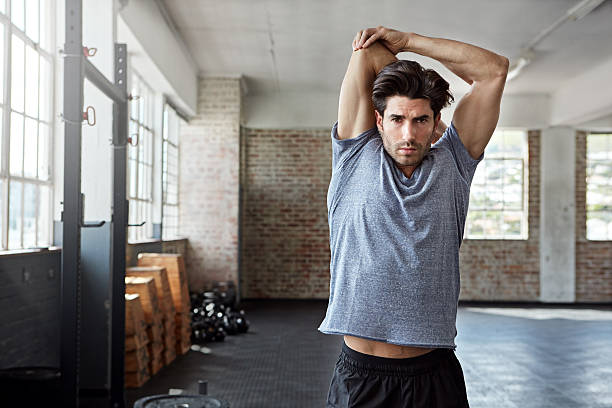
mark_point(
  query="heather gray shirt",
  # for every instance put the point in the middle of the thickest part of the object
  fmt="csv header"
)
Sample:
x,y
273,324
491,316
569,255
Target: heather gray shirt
x,y
395,241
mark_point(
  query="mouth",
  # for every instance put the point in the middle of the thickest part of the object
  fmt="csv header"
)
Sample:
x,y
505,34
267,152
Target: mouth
x,y
407,150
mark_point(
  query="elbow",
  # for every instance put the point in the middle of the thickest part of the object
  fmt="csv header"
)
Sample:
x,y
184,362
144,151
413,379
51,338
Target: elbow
x,y
502,66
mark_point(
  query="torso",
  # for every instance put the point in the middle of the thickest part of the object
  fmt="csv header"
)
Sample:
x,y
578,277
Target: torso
x,y
380,349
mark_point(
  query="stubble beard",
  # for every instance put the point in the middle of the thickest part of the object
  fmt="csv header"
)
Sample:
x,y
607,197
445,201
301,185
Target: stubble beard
x,y
406,161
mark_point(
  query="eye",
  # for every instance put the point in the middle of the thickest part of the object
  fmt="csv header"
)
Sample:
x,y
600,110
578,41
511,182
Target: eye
x,y
422,120
395,119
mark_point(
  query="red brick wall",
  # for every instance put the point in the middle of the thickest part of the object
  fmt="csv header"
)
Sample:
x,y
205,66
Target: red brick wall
x,y
209,183
285,236
593,258
507,269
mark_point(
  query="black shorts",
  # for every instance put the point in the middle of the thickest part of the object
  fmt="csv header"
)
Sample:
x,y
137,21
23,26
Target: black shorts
x,y
432,380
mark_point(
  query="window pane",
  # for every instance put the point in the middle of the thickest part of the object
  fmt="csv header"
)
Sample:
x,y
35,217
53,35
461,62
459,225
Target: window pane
x,y
44,221
478,198
140,180
513,197
2,8
599,225
17,74
495,197
30,150
43,152
133,181
46,99
513,172
16,147
15,215
2,62
17,16
32,19
30,201
494,171
31,80
475,224
597,147
511,223
166,126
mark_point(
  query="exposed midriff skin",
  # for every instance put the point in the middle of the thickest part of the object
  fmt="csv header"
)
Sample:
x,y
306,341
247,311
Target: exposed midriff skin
x,y
380,349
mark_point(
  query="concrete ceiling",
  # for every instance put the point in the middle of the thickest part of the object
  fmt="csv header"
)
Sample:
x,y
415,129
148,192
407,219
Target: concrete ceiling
x,y
304,46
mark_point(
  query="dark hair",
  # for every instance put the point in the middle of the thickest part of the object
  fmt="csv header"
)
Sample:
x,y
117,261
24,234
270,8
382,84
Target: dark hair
x,y
410,79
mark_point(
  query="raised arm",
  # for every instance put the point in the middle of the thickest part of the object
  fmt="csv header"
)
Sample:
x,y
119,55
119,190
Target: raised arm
x,y
477,113
355,109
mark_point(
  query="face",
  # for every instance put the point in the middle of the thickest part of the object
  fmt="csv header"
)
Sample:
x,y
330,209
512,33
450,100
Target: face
x,y
407,130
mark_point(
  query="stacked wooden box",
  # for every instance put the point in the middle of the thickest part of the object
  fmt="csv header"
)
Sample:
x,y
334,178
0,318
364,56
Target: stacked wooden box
x,y
136,353
164,296
145,287
177,278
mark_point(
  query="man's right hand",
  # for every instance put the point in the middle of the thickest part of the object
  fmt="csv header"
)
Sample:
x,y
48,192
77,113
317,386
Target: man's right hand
x,y
395,41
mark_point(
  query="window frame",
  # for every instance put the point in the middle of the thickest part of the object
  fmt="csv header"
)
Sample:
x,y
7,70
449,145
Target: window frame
x,y
143,207
586,184
524,234
9,30
166,143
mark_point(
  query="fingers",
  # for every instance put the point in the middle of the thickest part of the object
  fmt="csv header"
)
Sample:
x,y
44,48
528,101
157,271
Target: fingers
x,y
365,38
356,40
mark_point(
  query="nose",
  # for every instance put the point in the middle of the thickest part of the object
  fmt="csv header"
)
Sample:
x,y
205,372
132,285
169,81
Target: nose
x,y
407,132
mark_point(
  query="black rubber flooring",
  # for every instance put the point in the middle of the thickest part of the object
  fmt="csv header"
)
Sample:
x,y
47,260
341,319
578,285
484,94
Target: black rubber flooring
x,y
511,356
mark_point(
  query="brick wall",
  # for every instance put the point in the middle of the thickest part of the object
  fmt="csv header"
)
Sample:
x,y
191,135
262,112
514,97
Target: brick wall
x,y
285,242
507,269
285,248
30,309
593,258
209,183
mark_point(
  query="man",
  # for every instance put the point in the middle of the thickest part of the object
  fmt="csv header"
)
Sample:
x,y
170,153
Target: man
x,y
396,209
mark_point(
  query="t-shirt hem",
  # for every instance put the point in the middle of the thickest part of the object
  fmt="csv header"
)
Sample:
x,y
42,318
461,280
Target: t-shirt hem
x,y
396,342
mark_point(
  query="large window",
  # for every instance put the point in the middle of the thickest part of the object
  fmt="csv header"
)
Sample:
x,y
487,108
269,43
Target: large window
x,y
26,79
599,187
170,173
498,196
140,160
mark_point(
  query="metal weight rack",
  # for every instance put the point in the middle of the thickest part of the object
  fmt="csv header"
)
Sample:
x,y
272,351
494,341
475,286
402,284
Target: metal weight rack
x,y
86,265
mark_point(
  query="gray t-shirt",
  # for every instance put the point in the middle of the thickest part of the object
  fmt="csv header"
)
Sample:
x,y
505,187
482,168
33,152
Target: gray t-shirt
x,y
395,241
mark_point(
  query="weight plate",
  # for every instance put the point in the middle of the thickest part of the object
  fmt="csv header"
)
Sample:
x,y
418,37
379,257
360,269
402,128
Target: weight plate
x,y
180,401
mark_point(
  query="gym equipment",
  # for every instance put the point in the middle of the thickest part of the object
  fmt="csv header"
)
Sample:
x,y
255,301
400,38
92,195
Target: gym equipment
x,y
213,316
180,401
93,254
183,401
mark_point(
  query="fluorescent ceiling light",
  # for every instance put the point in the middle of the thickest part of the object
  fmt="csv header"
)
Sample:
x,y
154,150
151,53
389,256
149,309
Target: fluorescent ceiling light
x,y
583,8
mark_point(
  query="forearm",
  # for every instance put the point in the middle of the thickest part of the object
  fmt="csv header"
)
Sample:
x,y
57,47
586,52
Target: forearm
x,y
469,62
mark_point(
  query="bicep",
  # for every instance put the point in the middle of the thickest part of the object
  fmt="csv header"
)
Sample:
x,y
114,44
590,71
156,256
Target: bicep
x,y
477,113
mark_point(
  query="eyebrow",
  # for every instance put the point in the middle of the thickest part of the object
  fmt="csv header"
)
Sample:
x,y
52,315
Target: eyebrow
x,y
395,116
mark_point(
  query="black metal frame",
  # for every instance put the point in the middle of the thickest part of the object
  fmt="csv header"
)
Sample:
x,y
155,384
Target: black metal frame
x,y
76,69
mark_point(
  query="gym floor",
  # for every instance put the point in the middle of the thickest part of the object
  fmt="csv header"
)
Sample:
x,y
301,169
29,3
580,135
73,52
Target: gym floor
x,y
541,356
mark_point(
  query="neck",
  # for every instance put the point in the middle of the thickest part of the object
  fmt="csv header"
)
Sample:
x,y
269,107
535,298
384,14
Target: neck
x,y
407,170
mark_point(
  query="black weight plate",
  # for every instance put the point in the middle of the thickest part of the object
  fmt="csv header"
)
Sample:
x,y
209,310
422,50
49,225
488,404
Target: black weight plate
x,y
175,401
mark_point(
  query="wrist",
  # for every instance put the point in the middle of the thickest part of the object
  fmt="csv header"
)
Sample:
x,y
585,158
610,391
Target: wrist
x,y
408,40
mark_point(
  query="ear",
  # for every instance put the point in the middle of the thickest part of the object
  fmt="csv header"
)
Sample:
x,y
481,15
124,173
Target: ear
x,y
379,121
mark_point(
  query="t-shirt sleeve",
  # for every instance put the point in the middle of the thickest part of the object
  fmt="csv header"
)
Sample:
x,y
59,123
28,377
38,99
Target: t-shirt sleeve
x,y
345,149
465,163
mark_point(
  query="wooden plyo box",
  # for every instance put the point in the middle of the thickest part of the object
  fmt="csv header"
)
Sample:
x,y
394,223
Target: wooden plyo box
x,y
177,276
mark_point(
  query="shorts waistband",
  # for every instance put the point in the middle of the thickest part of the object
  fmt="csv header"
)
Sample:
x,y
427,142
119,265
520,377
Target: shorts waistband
x,y
405,366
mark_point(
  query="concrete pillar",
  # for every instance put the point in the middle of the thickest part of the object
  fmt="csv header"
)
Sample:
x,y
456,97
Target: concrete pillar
x,y
558,215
